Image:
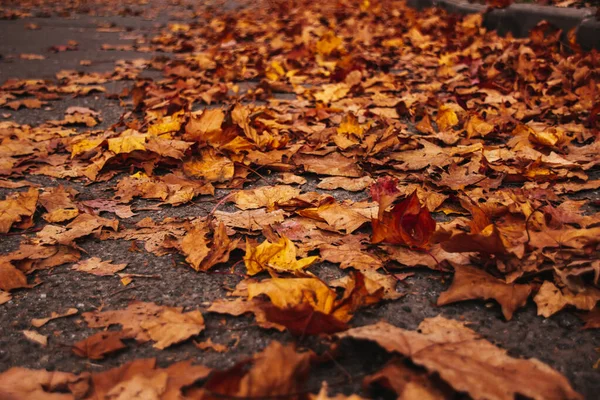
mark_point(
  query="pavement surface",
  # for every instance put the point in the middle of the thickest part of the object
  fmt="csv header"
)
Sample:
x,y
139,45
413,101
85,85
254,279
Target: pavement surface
x,y
557,341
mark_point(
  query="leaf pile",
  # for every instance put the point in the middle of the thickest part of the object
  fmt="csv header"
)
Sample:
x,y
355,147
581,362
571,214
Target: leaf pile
x,y
464,151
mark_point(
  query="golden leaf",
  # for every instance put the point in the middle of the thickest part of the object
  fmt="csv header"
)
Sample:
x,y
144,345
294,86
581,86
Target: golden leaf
x,y
280,256
210,166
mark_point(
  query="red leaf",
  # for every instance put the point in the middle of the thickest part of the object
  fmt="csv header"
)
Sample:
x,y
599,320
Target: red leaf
x,y
408,223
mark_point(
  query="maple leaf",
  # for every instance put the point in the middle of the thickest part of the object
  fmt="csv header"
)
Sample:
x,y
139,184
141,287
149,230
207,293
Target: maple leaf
x,y
472,283
195,246
209,122
278,256
350,126
407,223
550,299
148,321
340,217
142,379
333,164
467,362
446,118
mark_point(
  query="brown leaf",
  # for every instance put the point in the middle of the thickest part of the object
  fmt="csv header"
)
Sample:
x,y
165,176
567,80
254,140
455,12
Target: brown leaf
x,y
96,266
349,184
333,164
148,321
550,299
277,371
39,322
11,278
467,362
17,207
252,220
592,319
25,384
472,283
95,347
201,257
407,383
210,166
266,196
81,226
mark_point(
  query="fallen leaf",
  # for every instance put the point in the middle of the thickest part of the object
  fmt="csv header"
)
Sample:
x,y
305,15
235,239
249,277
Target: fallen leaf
x,y
148,321
352,185
266,196
408,223
39,322
210,345
467,362
17,207
210,166
472,283
27,384
96,266
550,299
95,347
36,337
278,256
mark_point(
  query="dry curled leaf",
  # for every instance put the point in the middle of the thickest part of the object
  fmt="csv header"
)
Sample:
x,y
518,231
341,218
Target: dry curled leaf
x,y
467,362
278,256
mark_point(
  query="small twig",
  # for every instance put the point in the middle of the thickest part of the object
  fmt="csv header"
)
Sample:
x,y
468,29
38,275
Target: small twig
x,y
221,201
123,290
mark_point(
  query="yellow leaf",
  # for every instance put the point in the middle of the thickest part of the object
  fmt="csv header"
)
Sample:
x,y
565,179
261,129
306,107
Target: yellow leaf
x,y
446,118
280,256
275,71
291,292
395,42
350,126
210,166
127,144
548,137
328,44
170,123
85,146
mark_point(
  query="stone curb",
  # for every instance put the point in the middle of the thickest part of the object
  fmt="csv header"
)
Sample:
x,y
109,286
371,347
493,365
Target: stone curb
x,y
519,19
